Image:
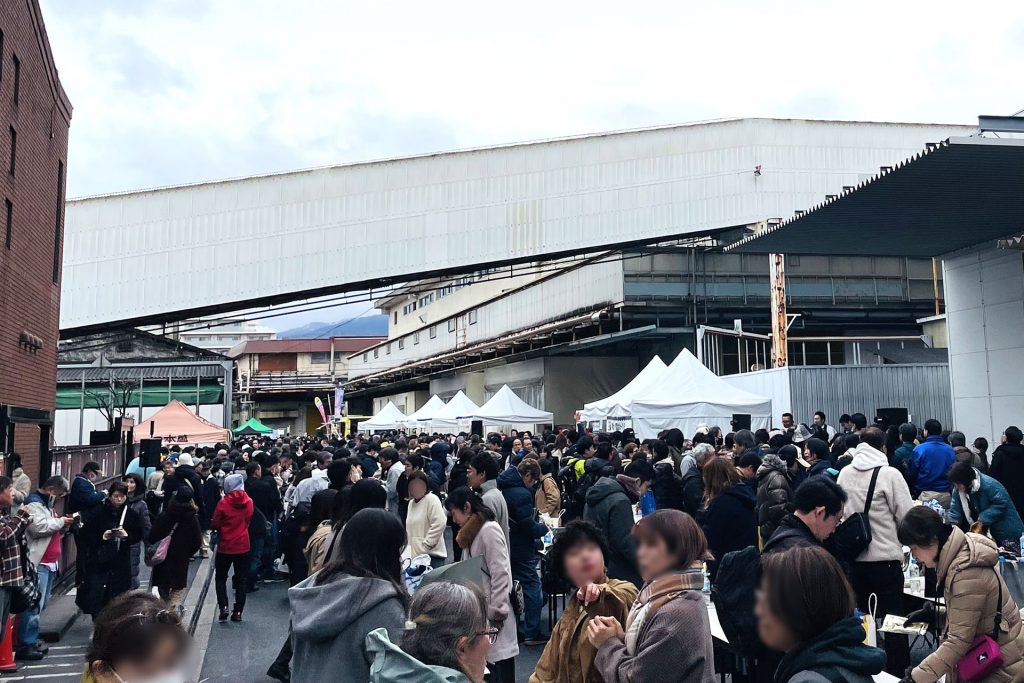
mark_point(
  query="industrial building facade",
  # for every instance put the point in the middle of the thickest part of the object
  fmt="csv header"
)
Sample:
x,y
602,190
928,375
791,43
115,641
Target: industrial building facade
x,y
564,333
35,115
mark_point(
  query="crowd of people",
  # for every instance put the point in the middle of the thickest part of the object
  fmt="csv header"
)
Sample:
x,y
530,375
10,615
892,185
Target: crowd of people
x,y
795,532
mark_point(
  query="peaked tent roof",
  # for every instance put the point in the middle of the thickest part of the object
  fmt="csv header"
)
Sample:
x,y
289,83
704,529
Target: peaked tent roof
x,y
507,408
429,409
389,417
689,394
459,407
253,426
687,380
176,423
598,410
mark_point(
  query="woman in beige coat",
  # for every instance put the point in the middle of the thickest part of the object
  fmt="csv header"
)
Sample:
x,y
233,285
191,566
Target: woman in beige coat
x,y
965,565
480,536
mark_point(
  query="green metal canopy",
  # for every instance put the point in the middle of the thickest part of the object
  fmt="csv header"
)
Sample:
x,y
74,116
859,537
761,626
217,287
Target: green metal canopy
x,y
253,426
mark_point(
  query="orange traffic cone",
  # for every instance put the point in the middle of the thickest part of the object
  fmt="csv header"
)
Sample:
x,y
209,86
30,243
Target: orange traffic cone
x,y
7,663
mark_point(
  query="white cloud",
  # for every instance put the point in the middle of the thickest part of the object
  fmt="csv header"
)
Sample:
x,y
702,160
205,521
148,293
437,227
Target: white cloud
x,y
171,91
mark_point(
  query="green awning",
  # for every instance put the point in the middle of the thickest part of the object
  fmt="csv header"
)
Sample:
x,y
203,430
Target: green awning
x,y
209,393
253,426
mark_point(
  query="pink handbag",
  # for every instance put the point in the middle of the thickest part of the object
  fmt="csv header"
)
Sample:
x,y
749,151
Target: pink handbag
x,y
984,658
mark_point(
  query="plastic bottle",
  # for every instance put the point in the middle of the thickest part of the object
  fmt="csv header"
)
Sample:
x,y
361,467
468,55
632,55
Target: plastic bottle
x,y
913,571
647,503
707,580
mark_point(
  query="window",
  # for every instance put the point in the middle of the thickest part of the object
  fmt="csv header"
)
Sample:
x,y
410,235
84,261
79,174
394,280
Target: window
x,y
409,308
58,221
415,338
401,343
320,358
10,221
366,357
451,324
433,331
17,77
14,148
472,317
124,347
376,353
396,317
425,300
388,348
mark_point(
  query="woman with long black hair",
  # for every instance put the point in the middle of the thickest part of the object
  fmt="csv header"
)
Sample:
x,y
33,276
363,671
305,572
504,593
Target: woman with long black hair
x,y
333,610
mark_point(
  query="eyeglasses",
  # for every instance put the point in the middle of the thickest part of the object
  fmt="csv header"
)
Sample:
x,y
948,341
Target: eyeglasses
x,y
491,633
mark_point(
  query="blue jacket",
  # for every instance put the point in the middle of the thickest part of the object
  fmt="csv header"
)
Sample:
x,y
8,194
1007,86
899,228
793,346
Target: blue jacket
x,y
83,495
932,459
523,528
992,507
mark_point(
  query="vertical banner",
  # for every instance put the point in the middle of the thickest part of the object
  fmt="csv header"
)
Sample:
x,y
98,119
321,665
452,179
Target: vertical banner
x,y
339,398
320,406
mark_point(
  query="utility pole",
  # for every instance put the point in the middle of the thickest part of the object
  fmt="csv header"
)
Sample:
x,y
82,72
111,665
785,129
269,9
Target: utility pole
x,y
780,321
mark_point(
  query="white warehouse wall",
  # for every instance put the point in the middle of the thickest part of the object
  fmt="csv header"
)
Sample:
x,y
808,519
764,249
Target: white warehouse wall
x,y
984,290
124,253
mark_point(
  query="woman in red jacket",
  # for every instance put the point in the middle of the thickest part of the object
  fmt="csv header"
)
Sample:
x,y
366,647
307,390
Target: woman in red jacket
x,y
231,518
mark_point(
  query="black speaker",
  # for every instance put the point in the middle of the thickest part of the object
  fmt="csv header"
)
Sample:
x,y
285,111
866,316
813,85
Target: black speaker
x,y
476,427
104,438
885,417
149,453
740,421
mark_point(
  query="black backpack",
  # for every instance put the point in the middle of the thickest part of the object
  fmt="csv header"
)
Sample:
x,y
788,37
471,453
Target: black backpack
x,y
568,483
733,595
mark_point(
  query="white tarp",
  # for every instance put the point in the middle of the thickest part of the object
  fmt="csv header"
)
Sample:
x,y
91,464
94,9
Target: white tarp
x,y
390,417
426,413
616,404
507,408
689,394
455,413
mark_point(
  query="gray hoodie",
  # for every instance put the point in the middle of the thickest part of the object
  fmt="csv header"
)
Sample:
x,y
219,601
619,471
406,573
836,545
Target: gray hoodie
x,y
330,623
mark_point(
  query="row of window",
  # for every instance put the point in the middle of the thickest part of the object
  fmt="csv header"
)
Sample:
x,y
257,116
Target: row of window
x,y
444,291
16,64
58,214
471,319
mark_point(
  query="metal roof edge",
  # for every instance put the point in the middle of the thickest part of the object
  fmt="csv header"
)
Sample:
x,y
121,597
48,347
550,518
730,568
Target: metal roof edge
x,y
504,145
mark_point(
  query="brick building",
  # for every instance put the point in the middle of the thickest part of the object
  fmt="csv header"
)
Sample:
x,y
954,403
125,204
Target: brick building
x,y
35,115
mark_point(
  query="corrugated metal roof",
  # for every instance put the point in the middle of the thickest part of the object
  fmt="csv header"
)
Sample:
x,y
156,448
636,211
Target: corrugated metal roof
x,y
342,345
70,375
955,194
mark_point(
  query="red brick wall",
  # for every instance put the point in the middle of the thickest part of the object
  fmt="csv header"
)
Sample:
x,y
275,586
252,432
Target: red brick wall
x,y
29,297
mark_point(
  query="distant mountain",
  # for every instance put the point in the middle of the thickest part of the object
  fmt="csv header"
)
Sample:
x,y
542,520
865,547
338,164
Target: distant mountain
x,y
365,326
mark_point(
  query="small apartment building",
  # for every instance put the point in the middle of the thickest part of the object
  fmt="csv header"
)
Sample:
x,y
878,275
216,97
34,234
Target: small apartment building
x,y
223,338
276,381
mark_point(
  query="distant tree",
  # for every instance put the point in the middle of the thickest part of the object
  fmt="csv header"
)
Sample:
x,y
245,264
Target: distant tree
x,y
112,401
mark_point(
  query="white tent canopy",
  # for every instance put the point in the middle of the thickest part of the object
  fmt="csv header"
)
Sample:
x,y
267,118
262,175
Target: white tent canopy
x,y
688,394
390,417
426,413
507,408
616,404
455,413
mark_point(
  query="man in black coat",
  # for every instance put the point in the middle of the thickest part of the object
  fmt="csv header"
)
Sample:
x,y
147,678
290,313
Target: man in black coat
x,y
1008,466
819,503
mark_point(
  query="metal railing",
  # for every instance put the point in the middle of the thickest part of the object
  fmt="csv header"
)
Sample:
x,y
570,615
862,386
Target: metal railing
x,y
67,462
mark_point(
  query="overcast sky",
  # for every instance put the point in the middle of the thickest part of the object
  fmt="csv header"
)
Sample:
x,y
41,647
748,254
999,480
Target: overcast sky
x,y
173,91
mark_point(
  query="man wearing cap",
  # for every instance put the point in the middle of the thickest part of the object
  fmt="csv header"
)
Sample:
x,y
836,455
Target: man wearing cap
x,y
84,495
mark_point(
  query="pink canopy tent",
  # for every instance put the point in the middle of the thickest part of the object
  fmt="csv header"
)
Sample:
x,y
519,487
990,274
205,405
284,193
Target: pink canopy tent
x,y
176,423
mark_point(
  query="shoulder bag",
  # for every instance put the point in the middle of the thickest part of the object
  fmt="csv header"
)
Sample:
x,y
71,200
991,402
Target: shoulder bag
x,y
156,553
853,536
984,657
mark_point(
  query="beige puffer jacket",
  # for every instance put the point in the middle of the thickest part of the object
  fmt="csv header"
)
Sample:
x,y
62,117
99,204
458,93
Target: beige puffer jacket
x,y
966,568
